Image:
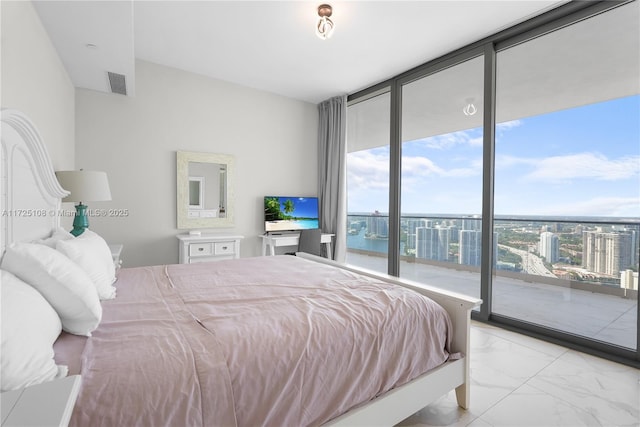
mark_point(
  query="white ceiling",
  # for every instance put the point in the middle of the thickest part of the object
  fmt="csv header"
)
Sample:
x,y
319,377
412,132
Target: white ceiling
x,y
270,45
554,72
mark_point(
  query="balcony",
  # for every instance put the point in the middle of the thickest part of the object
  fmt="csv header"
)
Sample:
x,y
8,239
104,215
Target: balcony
x,y
542,273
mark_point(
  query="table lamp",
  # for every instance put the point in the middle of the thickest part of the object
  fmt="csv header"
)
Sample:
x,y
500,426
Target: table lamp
x,y
83,186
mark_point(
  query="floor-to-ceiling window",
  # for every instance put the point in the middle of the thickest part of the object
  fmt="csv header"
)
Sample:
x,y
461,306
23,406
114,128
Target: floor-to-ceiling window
x,y
531,136
441,179
368,182
567,178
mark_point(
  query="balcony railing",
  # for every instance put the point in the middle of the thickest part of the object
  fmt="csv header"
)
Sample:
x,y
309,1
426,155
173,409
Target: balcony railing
x,y
593,254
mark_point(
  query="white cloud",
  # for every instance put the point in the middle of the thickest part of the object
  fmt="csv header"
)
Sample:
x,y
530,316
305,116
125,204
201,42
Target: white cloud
x,y
420,166
368,170
597,206
415,167
574,166
449,140
508,125
585,165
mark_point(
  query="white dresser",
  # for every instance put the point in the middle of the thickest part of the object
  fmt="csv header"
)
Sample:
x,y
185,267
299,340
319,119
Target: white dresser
x,y
208,247
47,404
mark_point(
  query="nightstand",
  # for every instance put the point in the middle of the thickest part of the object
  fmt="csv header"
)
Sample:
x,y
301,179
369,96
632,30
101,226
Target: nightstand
x,y
116,250
208,247
46,404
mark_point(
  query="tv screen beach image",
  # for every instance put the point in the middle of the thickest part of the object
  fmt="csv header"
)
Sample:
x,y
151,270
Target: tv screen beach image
x,y
290,213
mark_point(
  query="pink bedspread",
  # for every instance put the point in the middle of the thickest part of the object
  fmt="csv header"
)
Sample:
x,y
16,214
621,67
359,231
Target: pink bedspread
x,y
273,341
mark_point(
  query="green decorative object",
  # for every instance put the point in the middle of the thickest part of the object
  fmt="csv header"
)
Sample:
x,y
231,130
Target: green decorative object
x,y
83,186
81,220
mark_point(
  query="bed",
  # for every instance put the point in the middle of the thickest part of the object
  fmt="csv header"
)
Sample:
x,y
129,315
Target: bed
x,y
285,340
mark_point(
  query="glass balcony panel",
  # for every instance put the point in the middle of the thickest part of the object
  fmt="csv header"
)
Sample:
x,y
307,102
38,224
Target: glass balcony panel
x,y
567,162
368,164
441,181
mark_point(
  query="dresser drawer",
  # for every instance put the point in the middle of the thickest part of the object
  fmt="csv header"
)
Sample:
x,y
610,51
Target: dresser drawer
x,y
207,247
224,248
200,249
197,260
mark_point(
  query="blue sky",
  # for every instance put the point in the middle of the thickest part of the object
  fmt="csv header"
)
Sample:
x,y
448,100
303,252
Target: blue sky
x,y
582,161
304,207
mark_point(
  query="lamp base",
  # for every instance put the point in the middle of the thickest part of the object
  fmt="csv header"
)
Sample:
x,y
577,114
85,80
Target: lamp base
x,y
80,221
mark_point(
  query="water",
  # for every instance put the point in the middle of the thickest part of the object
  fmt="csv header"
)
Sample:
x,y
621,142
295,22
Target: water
x,y
358,241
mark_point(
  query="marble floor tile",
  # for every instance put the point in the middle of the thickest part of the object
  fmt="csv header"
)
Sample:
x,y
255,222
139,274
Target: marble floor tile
x,y
521,381
524,340
609,391
528,406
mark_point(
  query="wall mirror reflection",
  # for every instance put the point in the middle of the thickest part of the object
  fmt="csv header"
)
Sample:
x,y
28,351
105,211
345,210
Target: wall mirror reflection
x,y
196,195
204,190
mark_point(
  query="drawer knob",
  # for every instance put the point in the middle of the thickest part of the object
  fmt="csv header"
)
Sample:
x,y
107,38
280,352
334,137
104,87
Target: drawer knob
x,y
225,247
201,249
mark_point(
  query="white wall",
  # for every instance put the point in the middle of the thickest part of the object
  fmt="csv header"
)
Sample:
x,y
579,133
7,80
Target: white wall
x,y
35,81
134,139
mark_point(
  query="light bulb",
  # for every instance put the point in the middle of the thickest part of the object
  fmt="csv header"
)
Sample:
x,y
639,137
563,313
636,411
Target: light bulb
x,y
324,29
469,109
325,26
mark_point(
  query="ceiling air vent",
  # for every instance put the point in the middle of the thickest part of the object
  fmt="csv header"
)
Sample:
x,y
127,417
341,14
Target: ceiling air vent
x,y
117,82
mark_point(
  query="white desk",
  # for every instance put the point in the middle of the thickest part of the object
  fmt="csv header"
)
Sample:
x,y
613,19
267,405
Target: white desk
x,y
290,239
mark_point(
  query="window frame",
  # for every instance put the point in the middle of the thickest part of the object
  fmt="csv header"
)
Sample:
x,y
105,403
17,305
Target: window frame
x,y
550,21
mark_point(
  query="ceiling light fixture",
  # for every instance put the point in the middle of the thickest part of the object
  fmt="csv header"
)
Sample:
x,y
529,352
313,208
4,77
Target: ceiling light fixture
x,y
325,26
469,109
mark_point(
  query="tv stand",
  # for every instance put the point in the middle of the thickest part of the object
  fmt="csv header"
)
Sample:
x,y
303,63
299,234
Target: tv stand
x,y
274,240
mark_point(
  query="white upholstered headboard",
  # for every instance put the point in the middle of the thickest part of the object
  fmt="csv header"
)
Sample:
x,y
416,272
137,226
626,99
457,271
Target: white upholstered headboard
x,y
31,193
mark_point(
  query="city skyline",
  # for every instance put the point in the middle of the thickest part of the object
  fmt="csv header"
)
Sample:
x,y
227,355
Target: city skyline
x,y
590,252
583,161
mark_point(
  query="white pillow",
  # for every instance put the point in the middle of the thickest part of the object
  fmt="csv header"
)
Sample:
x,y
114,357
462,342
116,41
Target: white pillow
x,y
56,236
61,282
92,254
29,328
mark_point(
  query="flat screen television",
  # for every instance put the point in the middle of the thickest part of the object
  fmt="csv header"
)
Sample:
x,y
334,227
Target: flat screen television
x,y
290,213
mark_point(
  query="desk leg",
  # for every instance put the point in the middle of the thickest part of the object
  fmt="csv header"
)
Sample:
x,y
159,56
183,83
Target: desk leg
x,y
327,247
269,241
264,246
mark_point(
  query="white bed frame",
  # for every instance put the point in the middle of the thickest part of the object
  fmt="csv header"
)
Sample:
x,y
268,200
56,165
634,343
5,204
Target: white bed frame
x,y
31,193
30,207
401,402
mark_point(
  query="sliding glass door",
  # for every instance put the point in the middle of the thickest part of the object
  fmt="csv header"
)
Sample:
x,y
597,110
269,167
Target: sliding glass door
x,y
567,179
510,170
368,156
441,180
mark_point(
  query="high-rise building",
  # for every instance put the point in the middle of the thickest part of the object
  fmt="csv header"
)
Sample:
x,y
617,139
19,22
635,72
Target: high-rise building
x,y
472,223
454,232
606,253
629,279
378,226
634,244
412,225
411,241
443,244
432,243
426,243
470,247
549,246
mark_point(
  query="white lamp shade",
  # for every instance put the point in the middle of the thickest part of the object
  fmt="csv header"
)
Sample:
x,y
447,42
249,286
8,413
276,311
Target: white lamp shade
x,y
84,186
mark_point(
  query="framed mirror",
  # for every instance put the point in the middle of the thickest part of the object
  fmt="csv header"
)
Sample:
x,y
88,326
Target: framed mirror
x,y
204,190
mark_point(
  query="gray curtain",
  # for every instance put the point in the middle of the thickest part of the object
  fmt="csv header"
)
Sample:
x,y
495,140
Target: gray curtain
x,y
332,171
